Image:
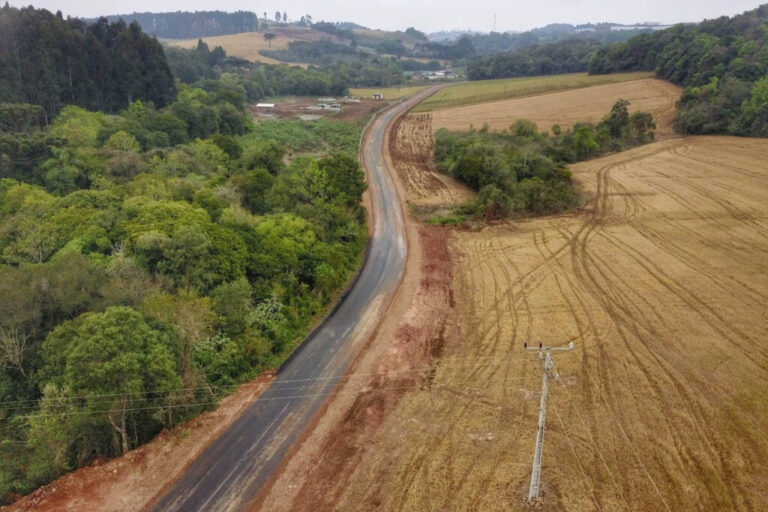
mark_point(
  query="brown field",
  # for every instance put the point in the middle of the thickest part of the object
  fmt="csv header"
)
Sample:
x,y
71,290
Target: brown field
x,y
411,149
248,44
661,281
568,107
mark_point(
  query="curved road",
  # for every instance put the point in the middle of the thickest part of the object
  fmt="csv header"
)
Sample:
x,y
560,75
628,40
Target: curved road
x,y
232,470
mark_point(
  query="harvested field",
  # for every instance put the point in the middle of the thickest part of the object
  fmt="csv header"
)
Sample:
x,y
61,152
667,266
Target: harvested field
x,y
411,148
483,91
568,107
247,45
662,282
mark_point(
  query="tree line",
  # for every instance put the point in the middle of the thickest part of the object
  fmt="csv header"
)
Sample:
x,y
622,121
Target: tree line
x,y
522,171
187,25
723,63
496,42
570,56
259,80
49,61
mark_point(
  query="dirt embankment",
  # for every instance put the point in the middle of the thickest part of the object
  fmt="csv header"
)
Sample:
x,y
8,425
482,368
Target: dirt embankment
x,y
568,107
130,482
662,283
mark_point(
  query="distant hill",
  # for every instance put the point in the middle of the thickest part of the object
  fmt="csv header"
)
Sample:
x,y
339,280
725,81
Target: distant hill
x,y
494,42
186,25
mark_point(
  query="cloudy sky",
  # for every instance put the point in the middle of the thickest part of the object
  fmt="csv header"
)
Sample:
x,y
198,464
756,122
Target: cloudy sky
x,y
431,15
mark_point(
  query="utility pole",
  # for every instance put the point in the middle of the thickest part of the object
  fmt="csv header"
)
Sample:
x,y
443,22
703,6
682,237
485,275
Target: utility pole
x,y
545,353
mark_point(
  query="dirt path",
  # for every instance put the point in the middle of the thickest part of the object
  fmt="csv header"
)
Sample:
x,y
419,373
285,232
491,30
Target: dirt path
x,y
411,148
662,283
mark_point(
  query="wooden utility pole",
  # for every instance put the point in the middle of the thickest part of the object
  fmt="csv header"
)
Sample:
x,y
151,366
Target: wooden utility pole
x,y
545,353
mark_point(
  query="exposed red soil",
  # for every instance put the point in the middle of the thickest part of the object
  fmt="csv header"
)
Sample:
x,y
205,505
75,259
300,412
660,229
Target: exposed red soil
x,y
131,482
418,340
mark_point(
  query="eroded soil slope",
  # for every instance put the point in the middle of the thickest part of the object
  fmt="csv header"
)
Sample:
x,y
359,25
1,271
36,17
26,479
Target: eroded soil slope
x,y
568,107
662,282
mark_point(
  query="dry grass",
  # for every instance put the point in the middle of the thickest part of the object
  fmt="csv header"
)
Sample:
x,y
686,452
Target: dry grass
x,y
390,93
248,44
483,91
662,281
568,107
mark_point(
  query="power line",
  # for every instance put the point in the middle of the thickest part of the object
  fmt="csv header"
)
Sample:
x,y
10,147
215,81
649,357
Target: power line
x,y
32,403
415,385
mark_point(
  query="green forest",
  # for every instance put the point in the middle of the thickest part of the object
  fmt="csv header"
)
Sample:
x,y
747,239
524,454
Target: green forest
x,y
153,255
522,171
570,56
723,63
49,61
187,25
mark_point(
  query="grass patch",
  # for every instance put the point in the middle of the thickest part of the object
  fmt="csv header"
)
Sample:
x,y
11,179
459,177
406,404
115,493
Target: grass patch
x,y
482,91
390,93
447,220
297,136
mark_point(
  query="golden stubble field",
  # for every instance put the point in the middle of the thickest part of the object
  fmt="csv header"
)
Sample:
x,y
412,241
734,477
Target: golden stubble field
x,y
567,107
662,282
247,45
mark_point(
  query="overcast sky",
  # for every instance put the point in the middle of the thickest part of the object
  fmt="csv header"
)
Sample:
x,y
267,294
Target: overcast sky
x,y
431,15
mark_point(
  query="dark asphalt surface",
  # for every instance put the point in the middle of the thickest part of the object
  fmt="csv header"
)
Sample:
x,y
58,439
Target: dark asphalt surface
x,y
233,469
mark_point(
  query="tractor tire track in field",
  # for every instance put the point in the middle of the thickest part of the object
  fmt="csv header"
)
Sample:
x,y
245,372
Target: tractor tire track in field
x,y
661,281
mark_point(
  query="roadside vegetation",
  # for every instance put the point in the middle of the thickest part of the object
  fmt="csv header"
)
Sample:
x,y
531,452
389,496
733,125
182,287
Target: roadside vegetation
x,y
153,257
522,171
482,91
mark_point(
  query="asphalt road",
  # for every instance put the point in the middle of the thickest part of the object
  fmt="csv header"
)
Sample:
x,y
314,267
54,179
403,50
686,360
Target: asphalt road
x,y
232,470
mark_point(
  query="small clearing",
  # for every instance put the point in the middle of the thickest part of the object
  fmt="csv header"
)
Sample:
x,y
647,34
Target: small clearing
x,y
389,93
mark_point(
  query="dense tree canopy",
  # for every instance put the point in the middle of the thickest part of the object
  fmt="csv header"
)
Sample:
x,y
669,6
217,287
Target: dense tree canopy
x,y
570,56
49,61
151,259
495,42
723,62
186,25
